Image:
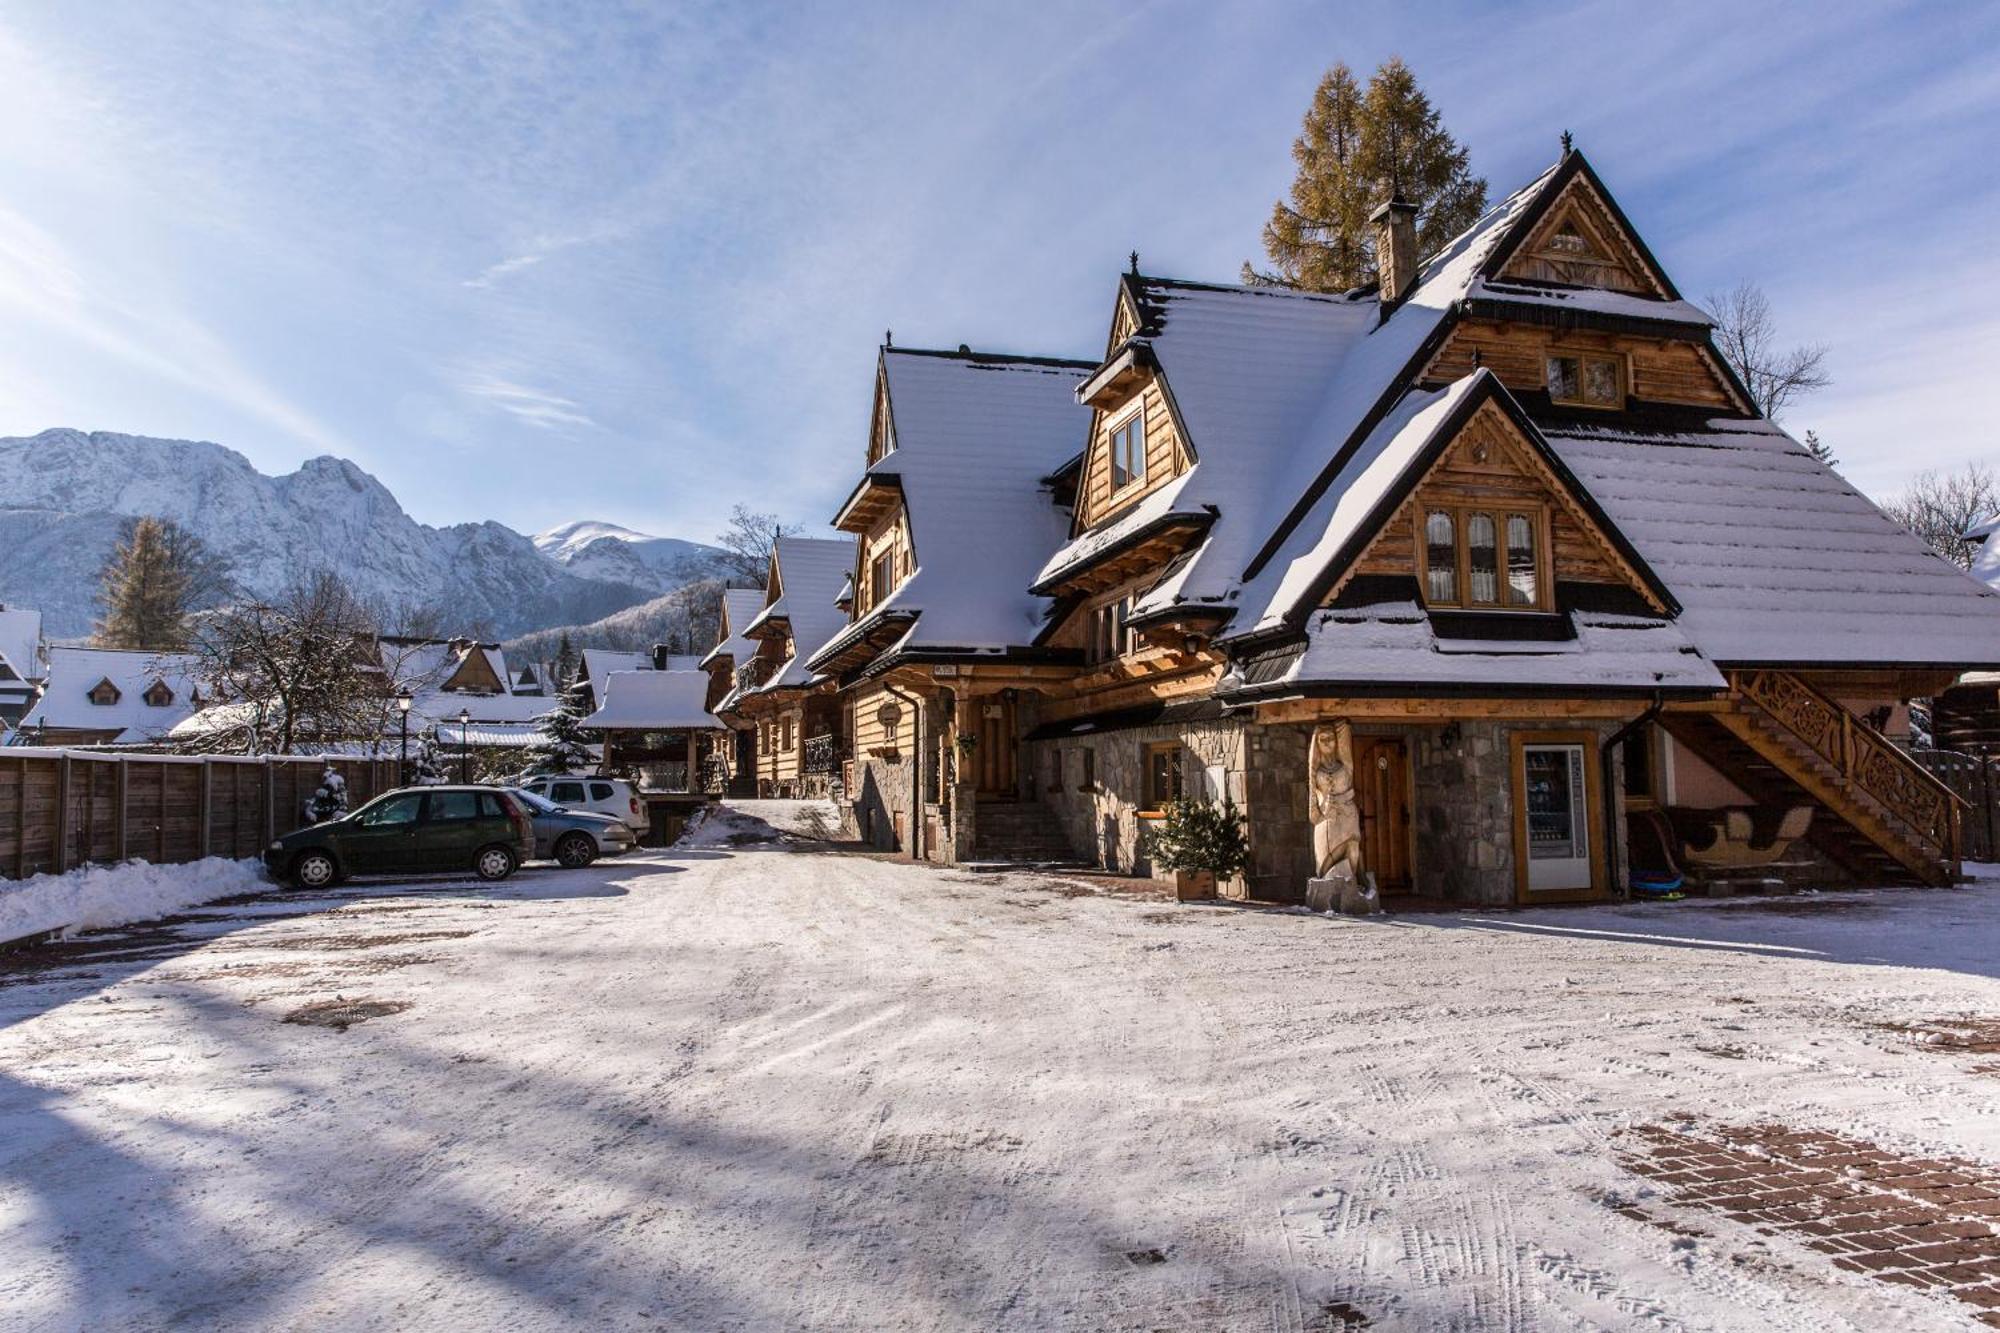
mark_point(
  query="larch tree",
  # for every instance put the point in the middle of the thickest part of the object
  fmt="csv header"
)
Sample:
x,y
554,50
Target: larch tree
x,y
1357,148
157,574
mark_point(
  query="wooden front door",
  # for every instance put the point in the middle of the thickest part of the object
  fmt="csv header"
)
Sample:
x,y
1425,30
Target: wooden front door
x,y
1382,789
993,756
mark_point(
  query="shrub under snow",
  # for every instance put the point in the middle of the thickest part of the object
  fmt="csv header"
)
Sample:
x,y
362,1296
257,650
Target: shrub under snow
x,y
115,895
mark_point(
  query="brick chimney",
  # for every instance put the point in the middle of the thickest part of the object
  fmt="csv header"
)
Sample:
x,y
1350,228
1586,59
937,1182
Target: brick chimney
x,y
1395,226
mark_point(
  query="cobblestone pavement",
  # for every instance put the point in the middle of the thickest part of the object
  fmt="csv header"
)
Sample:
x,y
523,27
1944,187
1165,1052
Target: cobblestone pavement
x,y
1924,1222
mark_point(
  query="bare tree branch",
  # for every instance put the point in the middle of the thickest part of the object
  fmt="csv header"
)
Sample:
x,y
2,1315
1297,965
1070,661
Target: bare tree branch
x,y
1744,334
1939,506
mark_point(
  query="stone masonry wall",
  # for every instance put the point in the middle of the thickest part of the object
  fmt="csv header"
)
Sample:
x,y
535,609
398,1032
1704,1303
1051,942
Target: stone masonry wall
x,y
1103,823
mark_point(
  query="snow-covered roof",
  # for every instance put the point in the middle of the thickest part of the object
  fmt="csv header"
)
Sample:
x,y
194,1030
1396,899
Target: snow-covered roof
x,y
1773,556
73,672
601,662
975,435
1271,385
486,735
809,572
739,607
654,701
1397,644
21,641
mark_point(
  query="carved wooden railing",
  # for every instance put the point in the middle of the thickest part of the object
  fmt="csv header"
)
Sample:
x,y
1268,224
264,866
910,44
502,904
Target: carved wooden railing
x,y
1927,808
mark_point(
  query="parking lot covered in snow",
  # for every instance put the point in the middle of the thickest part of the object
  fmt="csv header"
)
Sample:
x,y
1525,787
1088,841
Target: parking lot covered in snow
x,y
753,1082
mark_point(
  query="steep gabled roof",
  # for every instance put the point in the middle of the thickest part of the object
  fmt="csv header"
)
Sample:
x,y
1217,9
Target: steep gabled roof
x,y
975,436
20,642
1378,477
739,607
806,574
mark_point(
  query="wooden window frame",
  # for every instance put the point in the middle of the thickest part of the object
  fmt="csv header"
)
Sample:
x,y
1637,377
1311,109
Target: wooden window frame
x,y
1117,643
1132,425
1087,779
161,689
1154,803
1535,511
105,684
1055,768
882,575
1620,362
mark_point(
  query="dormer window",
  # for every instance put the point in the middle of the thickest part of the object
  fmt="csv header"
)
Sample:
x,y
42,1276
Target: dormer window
x,y
158,695
1128,451
1481,559
104,694
1584,380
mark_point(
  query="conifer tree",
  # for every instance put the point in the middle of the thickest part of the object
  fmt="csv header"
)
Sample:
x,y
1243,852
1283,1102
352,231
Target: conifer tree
x,y
146,586
565,667
1356,149
562,743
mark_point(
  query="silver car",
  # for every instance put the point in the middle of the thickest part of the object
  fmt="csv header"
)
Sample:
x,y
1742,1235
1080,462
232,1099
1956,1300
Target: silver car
x,y
574,838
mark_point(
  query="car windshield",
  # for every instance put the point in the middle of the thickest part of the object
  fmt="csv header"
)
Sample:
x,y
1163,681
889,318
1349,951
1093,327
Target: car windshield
x,y
535,803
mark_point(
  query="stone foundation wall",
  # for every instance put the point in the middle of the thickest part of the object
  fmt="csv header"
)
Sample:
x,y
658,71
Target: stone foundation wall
x,y
1103,822
1278,781
881,789
1464,813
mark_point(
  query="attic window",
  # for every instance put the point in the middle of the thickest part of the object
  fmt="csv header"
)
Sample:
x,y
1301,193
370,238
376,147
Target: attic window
x,y
158,695
1128,451
1567,240
1110,638
104,694
882,577
1586,381
1484,559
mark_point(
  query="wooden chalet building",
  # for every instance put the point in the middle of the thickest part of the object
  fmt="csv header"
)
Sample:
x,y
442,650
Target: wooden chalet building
x,y
789,707
1487,582
739,607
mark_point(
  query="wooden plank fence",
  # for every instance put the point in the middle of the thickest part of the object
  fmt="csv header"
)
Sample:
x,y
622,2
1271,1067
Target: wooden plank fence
x,y
60,809
1976,778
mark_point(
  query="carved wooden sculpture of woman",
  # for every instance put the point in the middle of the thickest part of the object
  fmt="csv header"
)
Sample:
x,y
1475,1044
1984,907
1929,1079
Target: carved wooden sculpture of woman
x,y
1335,814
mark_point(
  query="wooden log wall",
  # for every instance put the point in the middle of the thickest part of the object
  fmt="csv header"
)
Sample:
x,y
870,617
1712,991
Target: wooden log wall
x,y
63,809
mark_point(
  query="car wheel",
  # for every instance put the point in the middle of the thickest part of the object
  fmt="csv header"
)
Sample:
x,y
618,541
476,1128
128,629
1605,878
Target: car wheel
x,y
315,870
576,850
493,863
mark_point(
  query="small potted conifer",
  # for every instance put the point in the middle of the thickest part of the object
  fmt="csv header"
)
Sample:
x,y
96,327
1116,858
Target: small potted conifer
x,y
1201,842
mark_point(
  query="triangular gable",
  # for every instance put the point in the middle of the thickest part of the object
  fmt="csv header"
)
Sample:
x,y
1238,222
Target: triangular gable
x,y
1484,421
1578,236
475,673
881,420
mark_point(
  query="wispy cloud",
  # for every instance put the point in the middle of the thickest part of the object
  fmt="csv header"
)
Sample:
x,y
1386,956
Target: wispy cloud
x,y
537,407
493,272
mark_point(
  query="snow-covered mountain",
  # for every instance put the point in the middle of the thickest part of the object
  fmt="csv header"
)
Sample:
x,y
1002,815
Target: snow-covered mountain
x,y
599,550
63,494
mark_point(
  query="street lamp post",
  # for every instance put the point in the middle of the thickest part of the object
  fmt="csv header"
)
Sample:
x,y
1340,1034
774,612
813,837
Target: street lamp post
x,y
403,708
464,746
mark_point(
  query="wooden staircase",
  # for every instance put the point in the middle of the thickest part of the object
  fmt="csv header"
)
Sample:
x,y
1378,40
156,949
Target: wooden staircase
x,y
1877,814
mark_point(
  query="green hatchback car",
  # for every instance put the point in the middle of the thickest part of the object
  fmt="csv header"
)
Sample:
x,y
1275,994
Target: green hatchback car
x,y
485,830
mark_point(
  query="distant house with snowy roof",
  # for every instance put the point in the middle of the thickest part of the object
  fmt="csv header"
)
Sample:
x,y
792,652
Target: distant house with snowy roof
x,y
23,661
1487,582
111,696
656,725
791,707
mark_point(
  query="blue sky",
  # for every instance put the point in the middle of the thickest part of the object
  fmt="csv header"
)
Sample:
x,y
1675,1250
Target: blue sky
x,y
560,261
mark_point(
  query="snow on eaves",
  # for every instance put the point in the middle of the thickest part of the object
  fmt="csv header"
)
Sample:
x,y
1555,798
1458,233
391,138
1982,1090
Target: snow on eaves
x,y
975,436
1594,300
1772,555
1396,643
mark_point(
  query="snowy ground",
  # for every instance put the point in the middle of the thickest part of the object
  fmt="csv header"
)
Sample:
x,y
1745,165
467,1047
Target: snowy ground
x,y
748,1084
